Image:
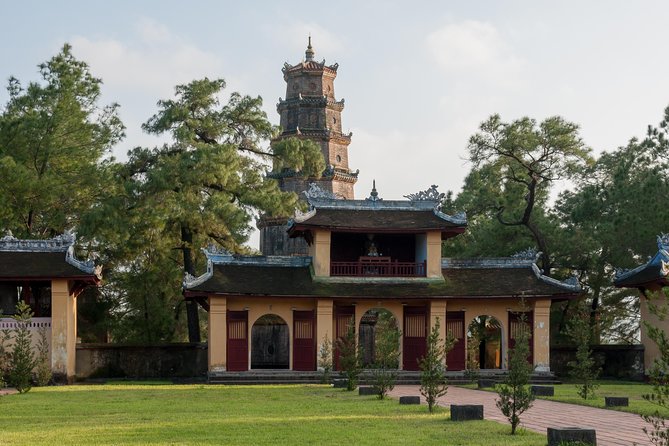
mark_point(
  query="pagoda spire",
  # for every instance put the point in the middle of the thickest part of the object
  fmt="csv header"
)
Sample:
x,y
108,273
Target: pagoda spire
x,y
309,53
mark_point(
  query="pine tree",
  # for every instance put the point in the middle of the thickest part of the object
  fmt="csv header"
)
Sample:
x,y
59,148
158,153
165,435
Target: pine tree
x,y
350,357
433,382
22,357
584,369
325,358
514,393
386,353
43,373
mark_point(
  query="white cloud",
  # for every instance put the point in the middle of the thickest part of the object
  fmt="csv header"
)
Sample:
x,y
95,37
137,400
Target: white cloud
x,y
474,48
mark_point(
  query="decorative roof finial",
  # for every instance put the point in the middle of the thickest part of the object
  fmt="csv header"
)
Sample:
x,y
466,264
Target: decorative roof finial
x,y
309,53
374,195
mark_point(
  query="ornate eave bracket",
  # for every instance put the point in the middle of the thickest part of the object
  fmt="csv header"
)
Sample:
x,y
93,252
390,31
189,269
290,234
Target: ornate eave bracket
x,y
431,194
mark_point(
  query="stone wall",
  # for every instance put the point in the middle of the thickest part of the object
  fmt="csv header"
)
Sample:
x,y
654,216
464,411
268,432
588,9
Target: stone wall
x,y
617,361
141,361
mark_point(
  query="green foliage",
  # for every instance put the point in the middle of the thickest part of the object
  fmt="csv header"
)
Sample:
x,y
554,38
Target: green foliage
x,y
205,187
659,372
433,382
386,353
54,138
325,359
584,369
43,372
22,358
350,357
514,393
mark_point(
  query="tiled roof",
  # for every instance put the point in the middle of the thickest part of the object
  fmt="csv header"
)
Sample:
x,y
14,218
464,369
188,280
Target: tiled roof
x,y
656,270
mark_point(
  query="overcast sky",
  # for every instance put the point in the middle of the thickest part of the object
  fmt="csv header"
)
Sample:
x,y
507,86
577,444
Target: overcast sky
x,y
417,77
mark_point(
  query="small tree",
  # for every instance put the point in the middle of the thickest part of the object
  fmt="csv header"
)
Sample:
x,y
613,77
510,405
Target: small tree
x,y
5,336
433,367
387,353
584,370
514,393
472,365
350,357
43,372
325,358
22,358
659,373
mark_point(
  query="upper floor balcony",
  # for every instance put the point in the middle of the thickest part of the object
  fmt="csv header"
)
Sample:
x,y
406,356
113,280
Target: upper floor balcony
x,y
378,266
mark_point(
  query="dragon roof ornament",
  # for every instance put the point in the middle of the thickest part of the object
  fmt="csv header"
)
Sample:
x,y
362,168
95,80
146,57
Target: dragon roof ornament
x,y
60,243
316,192
528,254
431,194
663,242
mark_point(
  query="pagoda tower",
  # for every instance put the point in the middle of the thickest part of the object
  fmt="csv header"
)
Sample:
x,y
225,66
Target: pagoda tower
x,y
309,111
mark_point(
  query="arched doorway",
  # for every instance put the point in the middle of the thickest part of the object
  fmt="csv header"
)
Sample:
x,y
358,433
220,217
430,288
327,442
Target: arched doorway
x,y
484,341
372,323
270,346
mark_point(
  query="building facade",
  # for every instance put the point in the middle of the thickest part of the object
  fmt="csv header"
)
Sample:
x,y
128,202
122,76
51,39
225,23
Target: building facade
x,y
368,256
47,276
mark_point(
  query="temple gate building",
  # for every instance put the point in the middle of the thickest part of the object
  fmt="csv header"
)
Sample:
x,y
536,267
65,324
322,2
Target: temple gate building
x,y
47,276
345,261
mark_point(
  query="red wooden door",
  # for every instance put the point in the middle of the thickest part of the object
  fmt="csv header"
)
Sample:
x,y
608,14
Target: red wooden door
x,y
238,343
415,334
455,326
344,317
304,344
515,326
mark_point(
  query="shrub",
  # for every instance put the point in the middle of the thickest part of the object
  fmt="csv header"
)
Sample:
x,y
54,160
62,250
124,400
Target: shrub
x,y
584,369
350,357
43,372
433,382
22,357
387,353
325,359
514,393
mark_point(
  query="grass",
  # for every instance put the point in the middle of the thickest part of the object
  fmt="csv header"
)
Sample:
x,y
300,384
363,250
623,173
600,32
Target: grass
x,y
567,393
241,415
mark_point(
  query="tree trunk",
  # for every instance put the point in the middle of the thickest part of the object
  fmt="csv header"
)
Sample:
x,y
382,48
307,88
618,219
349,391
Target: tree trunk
x,y
191,306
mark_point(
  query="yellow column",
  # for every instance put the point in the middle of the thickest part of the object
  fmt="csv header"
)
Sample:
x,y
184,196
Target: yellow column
x,y
541,335
217,343
324,324
320,253
438,311
63,331
434,254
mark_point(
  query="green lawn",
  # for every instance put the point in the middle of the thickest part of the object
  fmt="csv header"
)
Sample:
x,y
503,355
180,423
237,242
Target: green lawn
x,y
567,393
202,414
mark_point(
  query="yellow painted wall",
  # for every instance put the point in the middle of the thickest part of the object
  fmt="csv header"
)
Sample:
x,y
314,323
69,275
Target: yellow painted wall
x,y
651,351
320,252
434,254
438,311
63,330
217,342
541,335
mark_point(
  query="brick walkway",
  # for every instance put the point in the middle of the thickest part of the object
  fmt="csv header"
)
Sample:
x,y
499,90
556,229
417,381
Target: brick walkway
x,y
613,428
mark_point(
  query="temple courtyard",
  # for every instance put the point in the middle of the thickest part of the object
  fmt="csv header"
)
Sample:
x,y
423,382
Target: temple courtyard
x,y
161,413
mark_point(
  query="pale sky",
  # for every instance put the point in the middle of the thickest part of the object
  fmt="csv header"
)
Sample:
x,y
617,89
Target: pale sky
x,y
417,77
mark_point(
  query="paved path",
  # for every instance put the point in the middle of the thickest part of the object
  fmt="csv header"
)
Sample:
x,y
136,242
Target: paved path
x,y
613,428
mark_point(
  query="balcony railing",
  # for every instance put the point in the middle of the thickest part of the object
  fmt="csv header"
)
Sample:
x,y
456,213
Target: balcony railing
x,y
379,267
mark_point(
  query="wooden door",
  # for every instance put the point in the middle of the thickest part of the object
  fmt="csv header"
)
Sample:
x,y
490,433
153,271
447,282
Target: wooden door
x,y
344,317
304,344
455,326
238,343
415,337
514,329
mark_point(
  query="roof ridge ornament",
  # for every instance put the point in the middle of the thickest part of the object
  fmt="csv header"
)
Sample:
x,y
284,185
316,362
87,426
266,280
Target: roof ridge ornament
x,y
309,53
431,194
60,243
527,254
316,192
663,241
374,195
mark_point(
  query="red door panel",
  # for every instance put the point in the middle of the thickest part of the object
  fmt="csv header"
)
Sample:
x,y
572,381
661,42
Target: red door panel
x,y
344,316
304,344
455,326
238,343
415,337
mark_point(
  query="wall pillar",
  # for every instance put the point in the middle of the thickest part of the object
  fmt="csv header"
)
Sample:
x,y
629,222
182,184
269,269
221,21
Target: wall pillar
x,y
63,331
217,343
438,310
324,326
320,253
433,267
541,335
